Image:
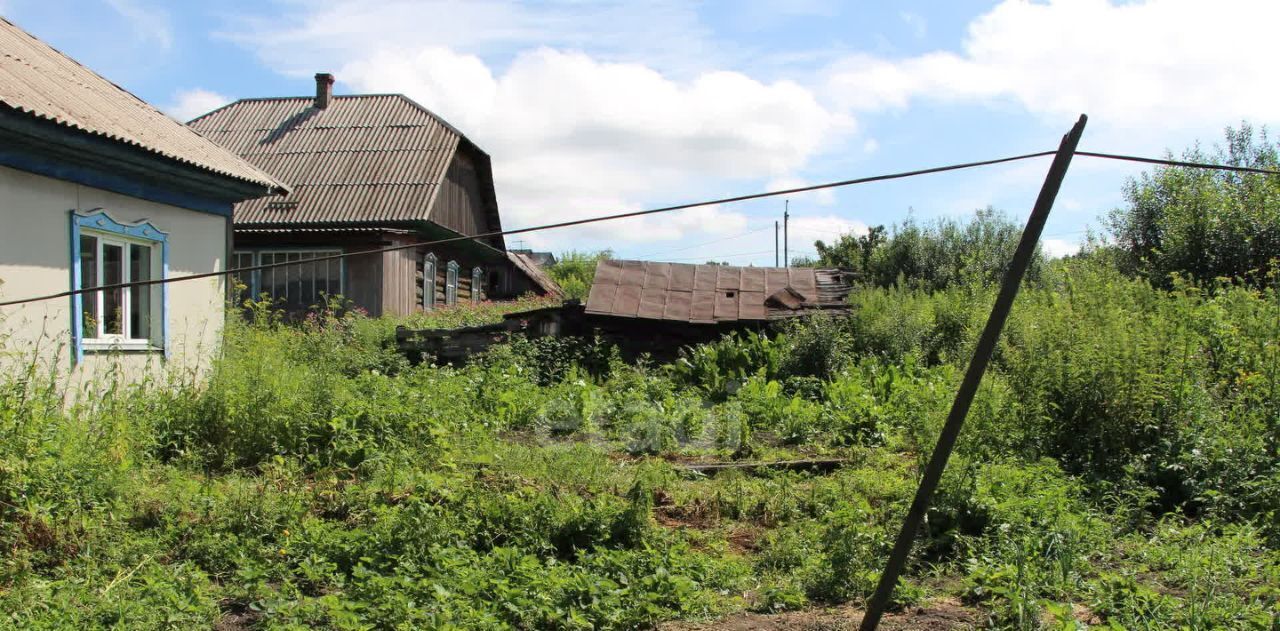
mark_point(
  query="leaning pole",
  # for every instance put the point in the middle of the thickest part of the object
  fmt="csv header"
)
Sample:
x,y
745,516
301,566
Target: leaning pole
x,y
973,376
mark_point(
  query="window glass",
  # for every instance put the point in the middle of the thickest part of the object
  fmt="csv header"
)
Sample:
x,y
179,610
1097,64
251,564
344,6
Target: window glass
x,y
293,286
451,284
429,282
140,297
477,283
243,279
130,313
274,279
326,277
300,282
89,278
112,299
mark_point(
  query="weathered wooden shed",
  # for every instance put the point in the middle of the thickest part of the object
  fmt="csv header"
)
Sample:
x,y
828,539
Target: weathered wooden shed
x,y
654,308
367,172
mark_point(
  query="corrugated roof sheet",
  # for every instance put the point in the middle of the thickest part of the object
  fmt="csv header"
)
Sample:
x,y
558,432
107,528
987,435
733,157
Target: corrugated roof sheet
x,y
363,159
708,293
37,79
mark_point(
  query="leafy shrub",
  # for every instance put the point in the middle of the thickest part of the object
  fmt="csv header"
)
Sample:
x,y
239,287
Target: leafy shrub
x,y
464,314
574,271
719,368
1203,224
935,256
815,346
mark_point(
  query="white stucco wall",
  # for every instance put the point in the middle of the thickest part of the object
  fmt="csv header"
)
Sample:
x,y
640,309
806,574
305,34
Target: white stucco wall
x,y
35,259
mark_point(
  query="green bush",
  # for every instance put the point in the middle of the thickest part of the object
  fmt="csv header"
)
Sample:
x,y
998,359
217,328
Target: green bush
x,y
1204,224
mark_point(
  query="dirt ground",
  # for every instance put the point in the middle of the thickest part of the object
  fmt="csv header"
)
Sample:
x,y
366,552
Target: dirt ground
x,y
939,614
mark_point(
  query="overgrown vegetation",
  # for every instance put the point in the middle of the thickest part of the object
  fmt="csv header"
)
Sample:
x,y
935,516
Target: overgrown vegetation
x,y
466,314
1202,224
1120,468
575,270
934,255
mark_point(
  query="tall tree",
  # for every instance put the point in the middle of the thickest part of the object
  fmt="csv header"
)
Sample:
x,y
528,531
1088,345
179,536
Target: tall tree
x,y
851,251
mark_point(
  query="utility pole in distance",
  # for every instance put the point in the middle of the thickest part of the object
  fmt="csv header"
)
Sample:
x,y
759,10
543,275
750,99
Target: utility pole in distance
x,y
786,240
775,243
972,377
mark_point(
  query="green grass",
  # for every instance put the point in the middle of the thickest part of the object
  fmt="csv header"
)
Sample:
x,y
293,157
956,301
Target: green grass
x,y
1119,469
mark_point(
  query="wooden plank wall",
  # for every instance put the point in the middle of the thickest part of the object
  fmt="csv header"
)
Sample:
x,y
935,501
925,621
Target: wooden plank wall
x,y
399,278
459,205
363,284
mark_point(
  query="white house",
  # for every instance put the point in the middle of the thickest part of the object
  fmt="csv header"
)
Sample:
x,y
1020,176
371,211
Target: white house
x,y
97,187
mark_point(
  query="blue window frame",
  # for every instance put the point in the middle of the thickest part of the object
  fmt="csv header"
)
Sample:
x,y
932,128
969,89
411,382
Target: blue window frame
x,y
106,251
477,284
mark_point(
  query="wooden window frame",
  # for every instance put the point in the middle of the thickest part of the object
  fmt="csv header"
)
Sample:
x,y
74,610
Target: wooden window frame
x,y
451,284
429,268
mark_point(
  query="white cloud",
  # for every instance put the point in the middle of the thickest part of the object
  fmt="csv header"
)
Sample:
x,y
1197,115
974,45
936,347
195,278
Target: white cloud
x,y
148,23
1145,66
572,136
663,33
1057,248
821,197
828,228
188,104
919,27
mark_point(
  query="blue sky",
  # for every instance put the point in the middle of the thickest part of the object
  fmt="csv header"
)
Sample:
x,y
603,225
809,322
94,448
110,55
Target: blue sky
x,y
592,108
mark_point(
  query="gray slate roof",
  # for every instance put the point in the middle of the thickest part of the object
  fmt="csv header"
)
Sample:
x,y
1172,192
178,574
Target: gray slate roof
x,y
364,159
37,79
704,294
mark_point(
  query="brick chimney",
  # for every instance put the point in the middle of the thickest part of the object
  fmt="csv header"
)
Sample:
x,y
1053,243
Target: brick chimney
x,y
324,89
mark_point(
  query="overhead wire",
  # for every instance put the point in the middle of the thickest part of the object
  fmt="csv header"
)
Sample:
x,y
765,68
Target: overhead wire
x,y
550,226
1177,163
722,256
698,245
638,213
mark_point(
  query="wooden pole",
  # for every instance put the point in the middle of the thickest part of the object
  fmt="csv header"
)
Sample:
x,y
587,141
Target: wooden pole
x,y
972,377
775,243
786,236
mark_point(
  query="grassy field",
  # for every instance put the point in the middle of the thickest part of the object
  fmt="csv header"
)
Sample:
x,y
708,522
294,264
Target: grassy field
x,y
1119,469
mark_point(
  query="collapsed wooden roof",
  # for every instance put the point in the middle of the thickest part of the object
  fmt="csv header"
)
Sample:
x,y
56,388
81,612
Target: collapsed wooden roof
x,y
706,294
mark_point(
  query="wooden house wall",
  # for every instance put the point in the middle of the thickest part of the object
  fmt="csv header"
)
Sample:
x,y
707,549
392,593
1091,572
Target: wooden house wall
x,y
391,283
399,277
363,282
466,262
459,204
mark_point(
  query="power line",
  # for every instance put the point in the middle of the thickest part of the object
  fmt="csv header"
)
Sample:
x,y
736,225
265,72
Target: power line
x,y
641,213
721,256
698,245
1177,163
551,226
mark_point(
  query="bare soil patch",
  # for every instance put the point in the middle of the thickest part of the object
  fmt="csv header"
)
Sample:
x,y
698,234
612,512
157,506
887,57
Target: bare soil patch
x,y
942,614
